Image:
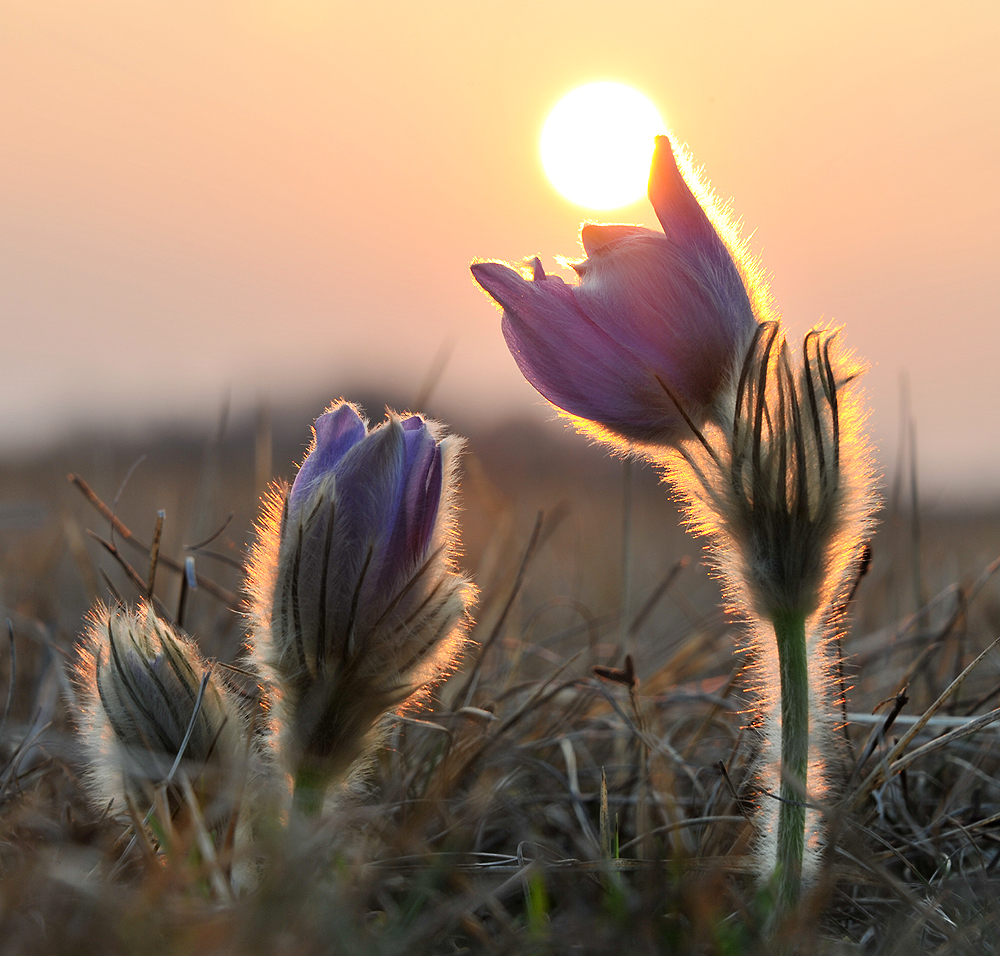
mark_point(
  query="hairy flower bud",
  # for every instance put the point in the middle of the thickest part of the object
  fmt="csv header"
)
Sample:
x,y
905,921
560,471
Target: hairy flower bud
x,y
651,333
785,488
357,606
139,690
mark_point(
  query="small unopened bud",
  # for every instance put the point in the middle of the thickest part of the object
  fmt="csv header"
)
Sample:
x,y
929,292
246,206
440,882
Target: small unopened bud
x,y
358,609
150,705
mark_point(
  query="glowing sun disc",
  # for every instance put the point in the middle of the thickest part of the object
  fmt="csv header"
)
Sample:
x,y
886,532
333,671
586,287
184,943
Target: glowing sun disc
x,y
597,143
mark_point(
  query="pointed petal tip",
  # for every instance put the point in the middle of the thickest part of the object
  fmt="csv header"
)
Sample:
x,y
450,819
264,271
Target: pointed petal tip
x,y
662,143
595,236
674,201
499,280
663,169
485,272
341,415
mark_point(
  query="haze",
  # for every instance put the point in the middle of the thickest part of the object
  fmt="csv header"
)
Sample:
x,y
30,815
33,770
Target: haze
x,y
280,198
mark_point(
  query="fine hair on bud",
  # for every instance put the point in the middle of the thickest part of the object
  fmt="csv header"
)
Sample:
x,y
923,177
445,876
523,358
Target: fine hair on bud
x,y
781,482
356,605
146,697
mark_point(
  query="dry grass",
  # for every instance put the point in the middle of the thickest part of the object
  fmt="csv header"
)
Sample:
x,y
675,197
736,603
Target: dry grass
x,y
538,808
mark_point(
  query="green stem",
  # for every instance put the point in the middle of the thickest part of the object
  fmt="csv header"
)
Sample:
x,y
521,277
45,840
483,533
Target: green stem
x,y
793,664
309,792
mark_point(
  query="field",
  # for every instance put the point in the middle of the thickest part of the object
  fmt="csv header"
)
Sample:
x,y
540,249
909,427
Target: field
x,y
538,806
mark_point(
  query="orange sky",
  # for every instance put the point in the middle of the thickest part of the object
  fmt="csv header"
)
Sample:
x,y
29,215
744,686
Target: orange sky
x,y
285,196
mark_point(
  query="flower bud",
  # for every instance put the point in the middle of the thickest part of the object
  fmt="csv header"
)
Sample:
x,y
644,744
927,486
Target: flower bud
x,y
138,684
652,332
357,606
786,489
785,492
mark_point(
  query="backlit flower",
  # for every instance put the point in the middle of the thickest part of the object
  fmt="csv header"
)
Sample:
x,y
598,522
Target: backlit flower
x,y
358,607
657,324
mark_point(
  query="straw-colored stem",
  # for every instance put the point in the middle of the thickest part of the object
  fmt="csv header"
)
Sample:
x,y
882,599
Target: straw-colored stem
x,y
793,664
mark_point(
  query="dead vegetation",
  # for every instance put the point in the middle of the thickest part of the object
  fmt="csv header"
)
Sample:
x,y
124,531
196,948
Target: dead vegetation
x,y
585,784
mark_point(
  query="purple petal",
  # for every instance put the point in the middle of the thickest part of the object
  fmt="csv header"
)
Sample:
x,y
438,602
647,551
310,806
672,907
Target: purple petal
x,y
676,207
336,432
416,508
422,495
570,359
413,423
596,236
686,224
370,480
677,316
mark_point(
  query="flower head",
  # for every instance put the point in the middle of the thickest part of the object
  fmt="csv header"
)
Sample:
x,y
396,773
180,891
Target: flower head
x,y
140,691
651,333
785,487
357,606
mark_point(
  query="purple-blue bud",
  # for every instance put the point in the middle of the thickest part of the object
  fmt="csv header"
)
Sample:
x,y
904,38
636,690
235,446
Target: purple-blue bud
x,y
358,608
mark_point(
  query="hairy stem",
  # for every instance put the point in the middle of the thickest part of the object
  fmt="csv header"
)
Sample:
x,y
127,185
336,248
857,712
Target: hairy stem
x,y
790,632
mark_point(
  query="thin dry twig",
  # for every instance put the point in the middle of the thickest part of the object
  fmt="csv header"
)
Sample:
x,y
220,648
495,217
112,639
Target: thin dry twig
x,y
465,691
230,598
879,773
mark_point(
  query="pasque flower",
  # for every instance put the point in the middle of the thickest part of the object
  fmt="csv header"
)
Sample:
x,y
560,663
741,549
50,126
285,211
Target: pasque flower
x,y
139,689
668,342
784,490
357,606
655,326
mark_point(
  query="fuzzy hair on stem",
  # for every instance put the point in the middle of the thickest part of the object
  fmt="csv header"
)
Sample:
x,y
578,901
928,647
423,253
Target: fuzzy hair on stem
x,y
781,483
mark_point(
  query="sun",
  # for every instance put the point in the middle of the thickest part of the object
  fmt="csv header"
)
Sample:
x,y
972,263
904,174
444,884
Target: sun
x,y
597,144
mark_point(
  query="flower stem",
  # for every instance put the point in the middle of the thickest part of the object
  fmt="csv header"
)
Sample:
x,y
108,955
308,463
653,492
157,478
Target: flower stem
x,y
309,792
790,632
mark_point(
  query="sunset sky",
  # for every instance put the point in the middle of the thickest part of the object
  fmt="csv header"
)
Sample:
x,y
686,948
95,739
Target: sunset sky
x,y
281,198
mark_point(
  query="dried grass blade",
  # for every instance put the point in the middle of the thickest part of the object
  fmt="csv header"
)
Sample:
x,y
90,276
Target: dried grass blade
x,y
974,725
873,779
215,875
465,693
573,777
140,835
605,821
230,598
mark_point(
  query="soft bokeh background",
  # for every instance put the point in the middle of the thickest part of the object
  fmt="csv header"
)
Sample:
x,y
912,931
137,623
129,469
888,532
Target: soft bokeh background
x,y
274,199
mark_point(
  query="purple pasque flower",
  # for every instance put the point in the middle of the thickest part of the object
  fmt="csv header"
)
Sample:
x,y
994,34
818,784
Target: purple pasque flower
x,y
657,320
383,488
358,607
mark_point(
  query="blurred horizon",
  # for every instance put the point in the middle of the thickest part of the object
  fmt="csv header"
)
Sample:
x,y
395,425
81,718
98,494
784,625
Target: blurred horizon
x,y
272,201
